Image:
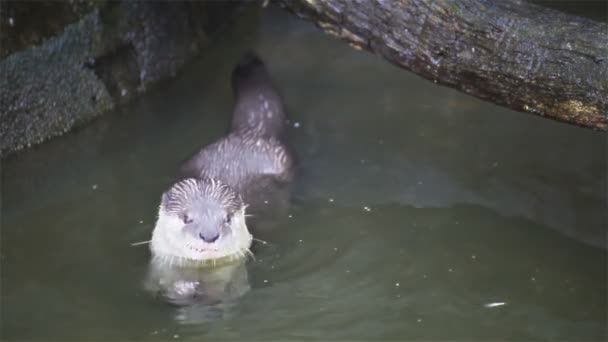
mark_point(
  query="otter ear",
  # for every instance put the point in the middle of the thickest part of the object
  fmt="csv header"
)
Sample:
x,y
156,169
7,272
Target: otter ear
x,y
164,200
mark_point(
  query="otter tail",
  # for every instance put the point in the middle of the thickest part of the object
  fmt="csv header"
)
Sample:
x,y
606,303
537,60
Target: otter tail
x,y
259,108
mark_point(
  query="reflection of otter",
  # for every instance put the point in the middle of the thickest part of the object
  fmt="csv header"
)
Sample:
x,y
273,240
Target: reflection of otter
x,y
201,294
201,219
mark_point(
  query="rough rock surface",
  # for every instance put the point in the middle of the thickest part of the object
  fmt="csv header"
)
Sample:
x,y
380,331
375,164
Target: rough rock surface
x,y
112,53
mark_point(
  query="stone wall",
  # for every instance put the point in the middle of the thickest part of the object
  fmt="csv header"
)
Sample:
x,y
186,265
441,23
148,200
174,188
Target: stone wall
x,y
65,63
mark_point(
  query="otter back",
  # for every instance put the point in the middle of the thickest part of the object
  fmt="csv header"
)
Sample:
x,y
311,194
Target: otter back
x,y
240,159
259,108
253,152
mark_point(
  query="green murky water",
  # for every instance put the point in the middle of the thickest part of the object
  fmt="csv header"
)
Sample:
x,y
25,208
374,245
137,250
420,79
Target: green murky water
x,y
420,213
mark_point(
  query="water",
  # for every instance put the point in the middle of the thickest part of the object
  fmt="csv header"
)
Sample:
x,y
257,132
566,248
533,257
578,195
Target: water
x,y
420,213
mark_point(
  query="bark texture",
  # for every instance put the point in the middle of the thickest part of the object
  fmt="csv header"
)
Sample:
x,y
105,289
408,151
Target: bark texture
x,y
509,52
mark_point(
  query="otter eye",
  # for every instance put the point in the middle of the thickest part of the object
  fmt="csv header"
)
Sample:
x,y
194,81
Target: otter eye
x,y
187,219
228,219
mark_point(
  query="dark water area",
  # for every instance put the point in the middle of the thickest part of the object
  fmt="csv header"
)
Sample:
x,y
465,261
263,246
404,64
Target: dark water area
x,y
419,212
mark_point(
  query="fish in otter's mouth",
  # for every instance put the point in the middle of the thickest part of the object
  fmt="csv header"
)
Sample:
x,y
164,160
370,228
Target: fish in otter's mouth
x,y
201,221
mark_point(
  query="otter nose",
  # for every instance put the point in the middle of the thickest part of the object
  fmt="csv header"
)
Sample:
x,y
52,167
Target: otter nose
x,y
209,237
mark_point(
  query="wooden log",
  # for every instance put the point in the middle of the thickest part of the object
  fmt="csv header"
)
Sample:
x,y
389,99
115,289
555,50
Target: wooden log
x,y
509,52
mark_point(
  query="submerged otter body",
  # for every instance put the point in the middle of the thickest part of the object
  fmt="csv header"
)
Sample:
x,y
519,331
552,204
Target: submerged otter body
x,y
201,217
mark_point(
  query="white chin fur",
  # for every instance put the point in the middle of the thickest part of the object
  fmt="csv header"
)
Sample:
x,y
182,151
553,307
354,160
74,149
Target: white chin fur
x,y
170,245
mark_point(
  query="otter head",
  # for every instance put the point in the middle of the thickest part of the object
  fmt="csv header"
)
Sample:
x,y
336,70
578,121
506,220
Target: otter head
x,y
200,222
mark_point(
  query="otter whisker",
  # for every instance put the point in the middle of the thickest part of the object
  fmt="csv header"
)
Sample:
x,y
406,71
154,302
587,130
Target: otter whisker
x,y
239,255
260,241
140,243
250,253
245,255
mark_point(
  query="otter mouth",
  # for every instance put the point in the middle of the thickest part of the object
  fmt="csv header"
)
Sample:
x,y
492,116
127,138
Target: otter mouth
x,y
202,249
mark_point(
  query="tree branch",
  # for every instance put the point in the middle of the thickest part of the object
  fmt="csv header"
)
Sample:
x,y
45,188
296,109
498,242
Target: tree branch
x,y
509,52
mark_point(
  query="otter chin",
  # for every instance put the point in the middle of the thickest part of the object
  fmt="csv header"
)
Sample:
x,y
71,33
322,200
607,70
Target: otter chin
x,y
201,222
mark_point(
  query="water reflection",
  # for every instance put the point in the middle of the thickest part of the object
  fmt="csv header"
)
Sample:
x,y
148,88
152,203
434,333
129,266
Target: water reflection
x,y
201,294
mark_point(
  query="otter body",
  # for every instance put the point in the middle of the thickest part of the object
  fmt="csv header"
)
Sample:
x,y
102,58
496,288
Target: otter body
x,y
202,216
241,161
254,147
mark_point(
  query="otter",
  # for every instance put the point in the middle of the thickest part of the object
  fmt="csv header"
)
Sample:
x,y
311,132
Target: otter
x,y
202,216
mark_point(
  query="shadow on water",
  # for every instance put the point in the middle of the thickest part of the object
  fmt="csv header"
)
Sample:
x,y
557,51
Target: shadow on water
x,y
420,213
